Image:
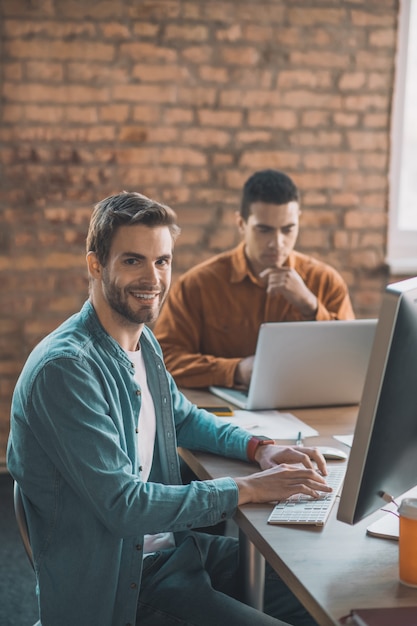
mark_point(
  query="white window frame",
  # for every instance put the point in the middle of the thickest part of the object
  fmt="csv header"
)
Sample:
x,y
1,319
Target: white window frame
x,y
401,244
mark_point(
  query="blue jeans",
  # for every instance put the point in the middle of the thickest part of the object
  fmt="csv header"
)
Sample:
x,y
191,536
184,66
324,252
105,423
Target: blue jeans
x,y
197,584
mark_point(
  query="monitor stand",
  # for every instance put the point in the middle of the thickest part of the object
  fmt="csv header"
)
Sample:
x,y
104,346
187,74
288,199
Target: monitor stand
x,y
386,527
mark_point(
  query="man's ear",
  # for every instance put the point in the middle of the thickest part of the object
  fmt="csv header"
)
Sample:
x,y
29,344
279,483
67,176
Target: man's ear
x,y
93,264
240,222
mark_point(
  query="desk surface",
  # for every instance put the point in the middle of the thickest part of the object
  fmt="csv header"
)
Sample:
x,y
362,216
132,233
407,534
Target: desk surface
x,y
331,569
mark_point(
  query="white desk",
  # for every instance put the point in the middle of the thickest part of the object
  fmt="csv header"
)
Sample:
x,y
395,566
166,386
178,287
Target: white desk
x,y
331,569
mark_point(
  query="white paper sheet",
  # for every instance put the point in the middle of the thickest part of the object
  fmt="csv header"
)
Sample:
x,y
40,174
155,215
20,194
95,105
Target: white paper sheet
x,y
346,439
273,424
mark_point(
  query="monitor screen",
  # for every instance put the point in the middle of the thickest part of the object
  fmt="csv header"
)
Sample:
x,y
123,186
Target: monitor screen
x,y
383,457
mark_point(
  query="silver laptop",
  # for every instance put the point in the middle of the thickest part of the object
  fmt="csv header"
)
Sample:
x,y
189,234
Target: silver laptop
x,y
305,364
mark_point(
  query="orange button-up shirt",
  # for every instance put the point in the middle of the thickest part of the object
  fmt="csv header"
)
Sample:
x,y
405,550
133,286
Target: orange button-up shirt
x,y
211,318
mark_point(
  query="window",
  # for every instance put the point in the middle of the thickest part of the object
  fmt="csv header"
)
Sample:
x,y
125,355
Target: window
x,y
402,230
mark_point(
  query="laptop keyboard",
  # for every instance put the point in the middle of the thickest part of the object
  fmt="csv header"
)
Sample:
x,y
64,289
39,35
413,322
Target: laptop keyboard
x,y
302,509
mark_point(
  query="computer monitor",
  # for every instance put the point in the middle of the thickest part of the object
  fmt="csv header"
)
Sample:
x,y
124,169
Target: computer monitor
x,y
383,457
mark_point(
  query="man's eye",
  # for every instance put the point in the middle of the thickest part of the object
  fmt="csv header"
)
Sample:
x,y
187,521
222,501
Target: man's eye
x,y
131,261
263,229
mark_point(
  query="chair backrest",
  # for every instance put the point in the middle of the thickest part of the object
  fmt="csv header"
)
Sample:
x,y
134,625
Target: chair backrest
x,y
22,525
21,520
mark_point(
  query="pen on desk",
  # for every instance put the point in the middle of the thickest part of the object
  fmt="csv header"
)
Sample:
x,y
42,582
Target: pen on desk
x,y
299,441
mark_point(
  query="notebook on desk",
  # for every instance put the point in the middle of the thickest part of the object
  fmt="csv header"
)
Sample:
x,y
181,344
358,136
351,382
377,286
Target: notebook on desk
x,y
392,616
306,364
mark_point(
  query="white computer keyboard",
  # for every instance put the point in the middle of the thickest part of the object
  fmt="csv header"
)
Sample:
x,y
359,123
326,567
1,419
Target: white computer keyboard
x,y
301,509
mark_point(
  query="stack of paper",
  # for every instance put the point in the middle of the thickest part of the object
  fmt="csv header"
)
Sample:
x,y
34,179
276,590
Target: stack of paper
x,y
273,424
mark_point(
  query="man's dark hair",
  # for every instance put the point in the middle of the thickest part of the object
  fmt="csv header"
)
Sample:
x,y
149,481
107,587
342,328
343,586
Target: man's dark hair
x,y
125,209
270,186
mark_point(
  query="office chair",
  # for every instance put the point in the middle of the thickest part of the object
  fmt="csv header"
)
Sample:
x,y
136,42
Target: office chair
x,y
22,525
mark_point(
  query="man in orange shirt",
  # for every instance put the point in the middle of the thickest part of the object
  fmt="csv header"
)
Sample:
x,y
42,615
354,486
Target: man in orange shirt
x,y
209,324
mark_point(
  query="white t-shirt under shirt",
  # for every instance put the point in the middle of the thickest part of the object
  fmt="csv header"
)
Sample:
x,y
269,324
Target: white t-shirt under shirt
x,y
146,444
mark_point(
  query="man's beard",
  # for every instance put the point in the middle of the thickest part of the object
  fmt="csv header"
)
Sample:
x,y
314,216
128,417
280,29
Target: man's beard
x,y
118,301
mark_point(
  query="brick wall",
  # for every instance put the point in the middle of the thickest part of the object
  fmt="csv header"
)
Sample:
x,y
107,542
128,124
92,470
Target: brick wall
x,y
182,100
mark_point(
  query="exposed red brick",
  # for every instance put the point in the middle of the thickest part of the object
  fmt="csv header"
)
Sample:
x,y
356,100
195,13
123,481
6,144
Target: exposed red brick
x,y
182,100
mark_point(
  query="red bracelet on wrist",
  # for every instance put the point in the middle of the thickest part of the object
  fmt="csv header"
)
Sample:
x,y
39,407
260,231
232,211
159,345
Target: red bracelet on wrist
x,y
253,445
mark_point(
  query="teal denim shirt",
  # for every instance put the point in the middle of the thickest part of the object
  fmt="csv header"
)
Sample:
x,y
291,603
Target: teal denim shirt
x,y
72,449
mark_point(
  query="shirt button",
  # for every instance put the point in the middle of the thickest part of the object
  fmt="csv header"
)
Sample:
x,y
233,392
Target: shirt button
x,y
138,547
138,392
133,585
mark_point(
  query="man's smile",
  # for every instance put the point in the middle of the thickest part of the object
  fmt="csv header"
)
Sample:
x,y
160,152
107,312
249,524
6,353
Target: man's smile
x,y
144,296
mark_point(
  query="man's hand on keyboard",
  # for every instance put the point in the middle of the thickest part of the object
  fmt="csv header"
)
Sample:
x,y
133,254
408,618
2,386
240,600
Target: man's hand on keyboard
x,y
280,482
270,456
